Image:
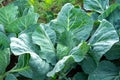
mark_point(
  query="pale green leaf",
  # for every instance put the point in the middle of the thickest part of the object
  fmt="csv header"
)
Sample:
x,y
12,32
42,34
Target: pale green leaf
x,y
22,45
41,38
96,5
39,67
113,16
102,40
74,20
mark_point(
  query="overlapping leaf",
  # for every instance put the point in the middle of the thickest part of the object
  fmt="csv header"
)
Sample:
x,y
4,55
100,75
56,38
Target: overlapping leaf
x,y
4,59
75,20
103,39
88,65
79,76
8,14
107,12
4,41
96,5
22,23
10,77
22,45
105,71
77,54
114,52
41,38
22,67
39,67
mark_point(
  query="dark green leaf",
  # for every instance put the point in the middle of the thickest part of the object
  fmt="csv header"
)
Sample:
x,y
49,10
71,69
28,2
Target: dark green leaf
x,y
105,71
88,65
4,60
114,52
80,76
10,77
4,41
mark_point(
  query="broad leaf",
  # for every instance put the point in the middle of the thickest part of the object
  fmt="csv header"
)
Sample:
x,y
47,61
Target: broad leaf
x,y
77,54
114,18
96,5
66,39
102,40
22,6
62,51
41,38
74,20
88,65
51,33
22,67
79,76
60,65
112,15
8,14
22,45
10,77
105,71
65,44
39,67
4,41
22,23
107,12
114,52
4,60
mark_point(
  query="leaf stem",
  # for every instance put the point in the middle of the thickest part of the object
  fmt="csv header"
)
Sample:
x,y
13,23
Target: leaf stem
x,y
13,71
18,70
